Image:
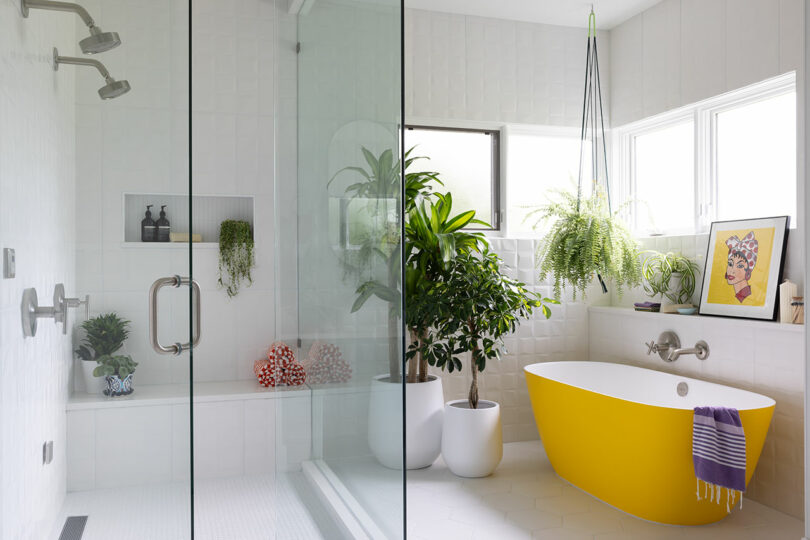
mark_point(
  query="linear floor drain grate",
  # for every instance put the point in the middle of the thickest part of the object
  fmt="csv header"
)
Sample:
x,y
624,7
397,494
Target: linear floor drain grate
x,y
74,528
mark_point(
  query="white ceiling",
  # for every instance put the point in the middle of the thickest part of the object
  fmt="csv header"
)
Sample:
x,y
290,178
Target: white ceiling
x,y
609,13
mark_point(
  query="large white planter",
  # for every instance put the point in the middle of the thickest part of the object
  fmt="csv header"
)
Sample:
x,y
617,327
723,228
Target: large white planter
x,y
472,439
423,430
92,385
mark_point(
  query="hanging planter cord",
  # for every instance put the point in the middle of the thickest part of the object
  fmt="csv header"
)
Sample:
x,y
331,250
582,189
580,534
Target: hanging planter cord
x,y
593,118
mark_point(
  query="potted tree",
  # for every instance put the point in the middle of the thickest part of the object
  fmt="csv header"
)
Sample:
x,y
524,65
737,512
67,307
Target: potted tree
x,y
671,276
479,306
106,334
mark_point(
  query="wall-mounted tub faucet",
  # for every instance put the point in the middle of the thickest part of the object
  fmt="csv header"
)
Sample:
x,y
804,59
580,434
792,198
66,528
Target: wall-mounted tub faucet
x,y
111,90
98,41
669,348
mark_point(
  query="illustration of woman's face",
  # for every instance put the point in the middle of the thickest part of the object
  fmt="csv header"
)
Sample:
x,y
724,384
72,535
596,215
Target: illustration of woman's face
x,y
737,270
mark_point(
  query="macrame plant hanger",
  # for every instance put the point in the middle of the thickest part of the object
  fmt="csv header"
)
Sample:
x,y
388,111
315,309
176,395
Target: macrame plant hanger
x,y
593,122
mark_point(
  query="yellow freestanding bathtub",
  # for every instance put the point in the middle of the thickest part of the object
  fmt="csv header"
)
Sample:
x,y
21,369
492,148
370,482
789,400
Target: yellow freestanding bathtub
x,y
624,434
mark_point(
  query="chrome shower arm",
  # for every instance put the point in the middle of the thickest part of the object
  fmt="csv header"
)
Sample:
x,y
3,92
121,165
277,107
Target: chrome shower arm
x,y
59,6
82,62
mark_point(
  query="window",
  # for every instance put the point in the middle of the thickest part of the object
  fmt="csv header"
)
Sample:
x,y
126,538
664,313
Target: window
x,y
536,165
710,161
467,161
664,178
756,146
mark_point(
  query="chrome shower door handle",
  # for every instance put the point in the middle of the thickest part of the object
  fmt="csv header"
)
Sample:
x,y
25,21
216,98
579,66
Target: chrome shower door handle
x,y
176,282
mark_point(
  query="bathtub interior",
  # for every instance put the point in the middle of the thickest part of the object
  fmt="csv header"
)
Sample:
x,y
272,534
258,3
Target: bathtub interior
x,y
647,386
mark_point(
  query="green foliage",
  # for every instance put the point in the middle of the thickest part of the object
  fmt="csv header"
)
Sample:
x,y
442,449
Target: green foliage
x,y
658,269
586,241
104,335
474,306
235,255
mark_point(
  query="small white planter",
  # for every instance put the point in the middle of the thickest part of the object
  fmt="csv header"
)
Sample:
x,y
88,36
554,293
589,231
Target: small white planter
x,y
423,430
472,439
92,385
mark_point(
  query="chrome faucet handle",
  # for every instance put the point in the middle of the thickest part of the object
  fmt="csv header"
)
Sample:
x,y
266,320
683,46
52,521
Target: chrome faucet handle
x,y
652,347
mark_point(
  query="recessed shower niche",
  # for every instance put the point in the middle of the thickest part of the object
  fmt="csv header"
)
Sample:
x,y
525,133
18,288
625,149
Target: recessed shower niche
x,y
208,211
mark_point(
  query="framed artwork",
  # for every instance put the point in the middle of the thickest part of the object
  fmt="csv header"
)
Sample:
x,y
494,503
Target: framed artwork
x,y
743,269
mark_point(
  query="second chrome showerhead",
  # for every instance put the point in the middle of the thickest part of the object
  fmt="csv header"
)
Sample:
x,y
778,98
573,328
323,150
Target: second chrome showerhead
x,y
111,90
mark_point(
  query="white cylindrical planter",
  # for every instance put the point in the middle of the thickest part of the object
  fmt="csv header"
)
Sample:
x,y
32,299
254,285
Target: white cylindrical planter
x,y
423,430
472,439
92,385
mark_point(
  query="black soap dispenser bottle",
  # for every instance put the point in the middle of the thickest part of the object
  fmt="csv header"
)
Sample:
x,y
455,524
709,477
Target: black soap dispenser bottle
x,y
163,226
148,227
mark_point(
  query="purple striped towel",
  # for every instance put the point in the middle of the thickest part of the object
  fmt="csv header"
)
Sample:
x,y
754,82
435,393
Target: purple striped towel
x,y
718,452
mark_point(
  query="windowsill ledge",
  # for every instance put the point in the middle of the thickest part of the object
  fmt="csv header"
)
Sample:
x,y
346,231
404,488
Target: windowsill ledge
x,y
704,319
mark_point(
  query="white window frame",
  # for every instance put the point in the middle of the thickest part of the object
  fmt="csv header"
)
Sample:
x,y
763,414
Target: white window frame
x,y
704,115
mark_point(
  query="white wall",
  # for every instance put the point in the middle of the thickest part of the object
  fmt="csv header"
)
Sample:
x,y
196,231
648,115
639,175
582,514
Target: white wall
x,y
139,143
473,68
37,146
682,51
463,68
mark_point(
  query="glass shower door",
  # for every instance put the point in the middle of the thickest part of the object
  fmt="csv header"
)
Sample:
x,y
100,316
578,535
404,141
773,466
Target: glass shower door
x,y
349,252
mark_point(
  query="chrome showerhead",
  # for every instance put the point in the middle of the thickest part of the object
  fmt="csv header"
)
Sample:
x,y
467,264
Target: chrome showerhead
x,y
99,41
113,89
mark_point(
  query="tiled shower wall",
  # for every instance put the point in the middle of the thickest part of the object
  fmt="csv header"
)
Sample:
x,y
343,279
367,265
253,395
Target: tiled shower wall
x,y
37,170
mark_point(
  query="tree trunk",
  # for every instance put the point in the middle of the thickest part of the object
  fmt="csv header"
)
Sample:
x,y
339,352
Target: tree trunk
x,y
394,354
473,397
416,360
423,363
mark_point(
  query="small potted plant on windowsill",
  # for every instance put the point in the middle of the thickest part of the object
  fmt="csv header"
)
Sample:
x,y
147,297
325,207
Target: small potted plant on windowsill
x,y
479,306
671,276
105,335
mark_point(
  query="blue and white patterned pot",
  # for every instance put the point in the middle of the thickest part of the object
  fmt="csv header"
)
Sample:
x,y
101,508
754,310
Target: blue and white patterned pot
x,y
117,387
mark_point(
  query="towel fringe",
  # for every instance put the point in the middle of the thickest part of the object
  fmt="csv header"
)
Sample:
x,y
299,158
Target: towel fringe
x,y
714,493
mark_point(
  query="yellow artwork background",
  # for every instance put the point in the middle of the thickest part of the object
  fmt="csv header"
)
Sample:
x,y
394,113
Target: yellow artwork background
x,y
720,292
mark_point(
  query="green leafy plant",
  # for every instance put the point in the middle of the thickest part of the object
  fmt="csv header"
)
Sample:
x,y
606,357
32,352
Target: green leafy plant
x,y
658,270
104,335
236,259
586,241
434,237
478,305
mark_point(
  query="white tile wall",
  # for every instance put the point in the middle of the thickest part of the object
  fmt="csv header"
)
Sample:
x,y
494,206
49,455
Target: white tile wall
x,y
112,447
461,67
683,51
139,143
37,147
767,358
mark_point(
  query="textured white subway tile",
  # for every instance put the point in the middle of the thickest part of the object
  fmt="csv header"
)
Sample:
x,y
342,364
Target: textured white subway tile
x,y
219,439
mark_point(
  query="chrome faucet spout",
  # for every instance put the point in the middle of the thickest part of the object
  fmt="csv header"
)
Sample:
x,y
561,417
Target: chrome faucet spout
x,y
668,347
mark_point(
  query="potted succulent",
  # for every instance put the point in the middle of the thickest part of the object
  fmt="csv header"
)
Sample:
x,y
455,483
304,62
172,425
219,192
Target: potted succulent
x,y
671,276
479,306
586,241
106,334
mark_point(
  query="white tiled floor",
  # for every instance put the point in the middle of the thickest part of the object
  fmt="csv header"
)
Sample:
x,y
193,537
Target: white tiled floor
x,y
244,508
526,499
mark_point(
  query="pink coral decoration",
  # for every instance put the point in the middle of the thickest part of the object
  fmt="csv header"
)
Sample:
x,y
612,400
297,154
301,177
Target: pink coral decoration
x,y
325,364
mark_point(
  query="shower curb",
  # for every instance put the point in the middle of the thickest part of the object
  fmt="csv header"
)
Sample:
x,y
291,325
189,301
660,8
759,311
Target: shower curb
x,y
348,513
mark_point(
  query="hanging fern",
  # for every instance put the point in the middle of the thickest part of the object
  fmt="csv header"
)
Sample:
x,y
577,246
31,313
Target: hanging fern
x,y
583,242
235,255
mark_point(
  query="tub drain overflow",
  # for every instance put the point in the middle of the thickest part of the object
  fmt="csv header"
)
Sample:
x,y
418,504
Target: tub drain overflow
x,y
683,389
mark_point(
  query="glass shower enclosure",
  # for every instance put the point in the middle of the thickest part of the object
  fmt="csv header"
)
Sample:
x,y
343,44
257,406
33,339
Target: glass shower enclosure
x,y
284,116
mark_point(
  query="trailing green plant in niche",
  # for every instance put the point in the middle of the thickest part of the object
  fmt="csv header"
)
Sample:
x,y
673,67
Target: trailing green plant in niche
x,y
585,241
235,255
658,270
